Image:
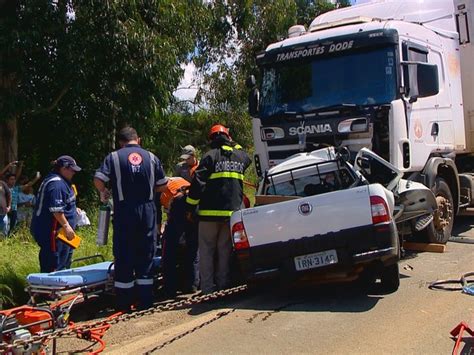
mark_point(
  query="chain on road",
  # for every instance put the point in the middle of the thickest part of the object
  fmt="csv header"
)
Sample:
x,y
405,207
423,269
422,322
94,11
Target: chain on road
x,y
193,300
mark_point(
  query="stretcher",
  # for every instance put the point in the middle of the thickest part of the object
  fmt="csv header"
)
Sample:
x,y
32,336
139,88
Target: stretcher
x,y
86,280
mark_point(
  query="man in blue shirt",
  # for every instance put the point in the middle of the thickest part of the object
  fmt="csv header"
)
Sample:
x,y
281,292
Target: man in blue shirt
x,y
16,190
133,174
55,208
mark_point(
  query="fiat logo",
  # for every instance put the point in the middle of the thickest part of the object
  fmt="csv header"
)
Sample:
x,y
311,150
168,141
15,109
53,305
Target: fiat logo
x,y
305,208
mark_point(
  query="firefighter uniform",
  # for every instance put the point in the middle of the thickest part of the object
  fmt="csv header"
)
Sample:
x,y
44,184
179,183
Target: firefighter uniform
x,y
217,191
54,195
133,173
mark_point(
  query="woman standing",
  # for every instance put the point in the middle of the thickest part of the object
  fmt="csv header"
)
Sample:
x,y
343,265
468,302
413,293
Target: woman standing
x,y
55,208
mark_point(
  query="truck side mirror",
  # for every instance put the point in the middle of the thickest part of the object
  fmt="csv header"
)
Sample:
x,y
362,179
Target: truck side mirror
x,y
254,95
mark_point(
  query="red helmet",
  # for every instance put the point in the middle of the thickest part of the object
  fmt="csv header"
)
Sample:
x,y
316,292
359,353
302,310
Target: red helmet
x,y
218,128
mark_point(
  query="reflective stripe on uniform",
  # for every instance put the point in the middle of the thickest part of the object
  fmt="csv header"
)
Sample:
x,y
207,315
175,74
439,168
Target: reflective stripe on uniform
x,y
56,209
43,188
215,213
144,281
118,175
124,284
238,146
227,174
152,175
191,201
226,147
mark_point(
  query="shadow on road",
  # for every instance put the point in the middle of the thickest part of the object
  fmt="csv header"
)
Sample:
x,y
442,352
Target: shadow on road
x,y
347,298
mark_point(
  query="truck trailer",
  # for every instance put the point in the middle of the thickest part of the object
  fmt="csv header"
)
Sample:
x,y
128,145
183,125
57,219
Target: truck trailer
x,y
394,76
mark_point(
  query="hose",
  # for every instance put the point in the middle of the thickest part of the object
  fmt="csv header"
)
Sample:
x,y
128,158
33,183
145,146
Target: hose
x,y
465,285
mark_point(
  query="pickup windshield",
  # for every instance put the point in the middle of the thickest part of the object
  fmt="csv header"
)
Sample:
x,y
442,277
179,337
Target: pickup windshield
x,y
310,180
359,78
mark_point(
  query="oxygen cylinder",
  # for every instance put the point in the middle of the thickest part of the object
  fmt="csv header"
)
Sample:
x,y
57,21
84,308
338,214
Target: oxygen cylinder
x,y
103,225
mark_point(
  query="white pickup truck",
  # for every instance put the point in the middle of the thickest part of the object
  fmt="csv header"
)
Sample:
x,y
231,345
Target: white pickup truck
x,y
317,214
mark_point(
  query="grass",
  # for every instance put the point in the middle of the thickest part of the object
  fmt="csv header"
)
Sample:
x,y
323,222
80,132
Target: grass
x,y
19,257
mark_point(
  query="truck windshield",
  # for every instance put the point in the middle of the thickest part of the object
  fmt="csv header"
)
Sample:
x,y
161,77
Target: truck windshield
x,y
360,78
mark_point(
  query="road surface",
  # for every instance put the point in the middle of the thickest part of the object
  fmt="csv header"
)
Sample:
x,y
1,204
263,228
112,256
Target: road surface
x,y
332,319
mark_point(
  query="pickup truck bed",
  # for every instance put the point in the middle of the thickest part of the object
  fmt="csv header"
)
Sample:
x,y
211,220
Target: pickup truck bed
x,y
331,234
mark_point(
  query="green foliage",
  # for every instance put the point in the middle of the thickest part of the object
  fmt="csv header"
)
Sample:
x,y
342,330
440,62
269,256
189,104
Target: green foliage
x,y
74,72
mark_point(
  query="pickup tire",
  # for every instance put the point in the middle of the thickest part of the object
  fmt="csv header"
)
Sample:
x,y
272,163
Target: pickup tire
x,y
440,229
390,278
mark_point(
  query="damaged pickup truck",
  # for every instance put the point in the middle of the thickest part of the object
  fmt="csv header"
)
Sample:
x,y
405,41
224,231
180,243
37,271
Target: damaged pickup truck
x,y
316,214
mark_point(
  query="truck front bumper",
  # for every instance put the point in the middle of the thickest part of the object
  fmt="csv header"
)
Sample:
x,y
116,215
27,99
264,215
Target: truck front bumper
x,y
356,249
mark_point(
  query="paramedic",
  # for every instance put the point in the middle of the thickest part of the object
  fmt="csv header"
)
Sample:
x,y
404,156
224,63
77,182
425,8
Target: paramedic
x,y
217,191
133,174
55,208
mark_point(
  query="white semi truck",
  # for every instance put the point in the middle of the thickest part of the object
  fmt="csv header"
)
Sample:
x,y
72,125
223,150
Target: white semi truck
x,y
395,76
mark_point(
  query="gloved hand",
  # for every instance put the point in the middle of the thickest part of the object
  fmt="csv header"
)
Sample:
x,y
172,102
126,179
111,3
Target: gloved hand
x,y
189,217
68,231
104,195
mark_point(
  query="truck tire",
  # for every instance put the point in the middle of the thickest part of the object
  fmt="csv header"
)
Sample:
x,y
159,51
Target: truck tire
x,y
440,229
390,278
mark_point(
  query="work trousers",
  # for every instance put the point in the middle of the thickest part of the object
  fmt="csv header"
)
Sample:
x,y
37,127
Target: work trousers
x,y
134,247
55,260
54,255
13,216
214,241
177,226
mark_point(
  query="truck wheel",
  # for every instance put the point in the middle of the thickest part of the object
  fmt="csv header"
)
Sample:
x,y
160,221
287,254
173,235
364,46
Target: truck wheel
x,y
390,278
440,229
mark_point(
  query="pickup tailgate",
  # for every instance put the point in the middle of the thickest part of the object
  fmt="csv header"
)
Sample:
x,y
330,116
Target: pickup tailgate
x,y
308,216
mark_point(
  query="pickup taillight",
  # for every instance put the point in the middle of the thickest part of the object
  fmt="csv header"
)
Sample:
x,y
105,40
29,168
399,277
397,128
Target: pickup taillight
x,y
239,236
380,212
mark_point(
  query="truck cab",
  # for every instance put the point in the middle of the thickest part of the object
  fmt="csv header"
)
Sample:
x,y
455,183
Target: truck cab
x,y
385,75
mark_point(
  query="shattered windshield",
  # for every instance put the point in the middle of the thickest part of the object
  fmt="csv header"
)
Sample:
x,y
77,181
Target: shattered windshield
x,y
360,78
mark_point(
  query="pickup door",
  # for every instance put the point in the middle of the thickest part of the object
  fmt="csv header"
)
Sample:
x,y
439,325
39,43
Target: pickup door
x,y
308,216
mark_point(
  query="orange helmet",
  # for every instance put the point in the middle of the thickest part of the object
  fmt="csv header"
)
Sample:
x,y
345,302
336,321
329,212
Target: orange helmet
x,y
218,128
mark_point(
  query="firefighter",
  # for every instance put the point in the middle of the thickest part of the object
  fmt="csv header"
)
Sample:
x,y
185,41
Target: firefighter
x,y
217,191
173,201
55,208
133,174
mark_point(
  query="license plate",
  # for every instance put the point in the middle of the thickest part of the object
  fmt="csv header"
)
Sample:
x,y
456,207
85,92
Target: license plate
x,y
311,261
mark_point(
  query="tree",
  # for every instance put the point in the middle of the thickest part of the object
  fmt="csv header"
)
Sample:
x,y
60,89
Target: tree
x,y
74,71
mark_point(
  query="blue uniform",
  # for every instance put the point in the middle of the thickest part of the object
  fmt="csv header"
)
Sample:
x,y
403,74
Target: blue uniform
x,y
133,173
176,226
54,195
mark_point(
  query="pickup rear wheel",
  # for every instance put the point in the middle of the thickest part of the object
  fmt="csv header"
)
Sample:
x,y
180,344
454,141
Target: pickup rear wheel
x,y
440,229
390,278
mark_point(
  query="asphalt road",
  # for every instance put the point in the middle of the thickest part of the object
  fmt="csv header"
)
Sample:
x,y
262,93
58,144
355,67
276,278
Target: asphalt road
x,y
335,319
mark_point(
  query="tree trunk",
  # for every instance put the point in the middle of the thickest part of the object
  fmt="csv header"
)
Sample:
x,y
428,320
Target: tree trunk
x,y
8,141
